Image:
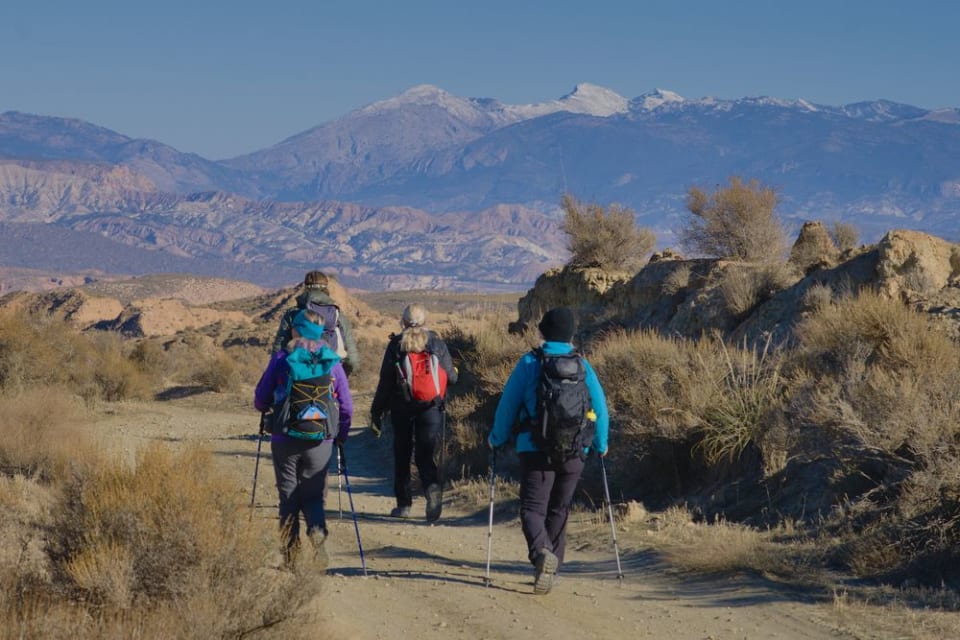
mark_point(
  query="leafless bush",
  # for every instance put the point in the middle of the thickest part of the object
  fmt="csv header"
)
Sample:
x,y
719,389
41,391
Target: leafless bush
x,y
844,235
610,240
736,222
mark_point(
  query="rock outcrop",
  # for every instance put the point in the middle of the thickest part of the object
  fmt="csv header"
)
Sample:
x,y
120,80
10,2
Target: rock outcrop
x,y
75,307
754,302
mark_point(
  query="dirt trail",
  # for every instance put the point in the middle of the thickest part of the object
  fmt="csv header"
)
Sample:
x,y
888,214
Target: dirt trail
x,y
427,581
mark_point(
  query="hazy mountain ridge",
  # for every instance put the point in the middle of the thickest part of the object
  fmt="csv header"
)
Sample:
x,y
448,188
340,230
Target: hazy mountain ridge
x,y
371,247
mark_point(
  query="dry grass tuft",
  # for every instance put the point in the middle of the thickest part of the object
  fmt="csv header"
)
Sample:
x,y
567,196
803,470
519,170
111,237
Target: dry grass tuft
x,y
727,548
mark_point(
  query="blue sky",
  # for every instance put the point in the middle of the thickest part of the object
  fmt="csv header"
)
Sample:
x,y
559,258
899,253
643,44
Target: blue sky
x,y
221,79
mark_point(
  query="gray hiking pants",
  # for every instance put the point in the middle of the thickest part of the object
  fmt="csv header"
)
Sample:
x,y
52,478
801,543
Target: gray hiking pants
x,y
300,467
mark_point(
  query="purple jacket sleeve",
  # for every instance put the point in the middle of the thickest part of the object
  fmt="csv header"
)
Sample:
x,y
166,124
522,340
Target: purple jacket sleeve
x,y
344,398
272,376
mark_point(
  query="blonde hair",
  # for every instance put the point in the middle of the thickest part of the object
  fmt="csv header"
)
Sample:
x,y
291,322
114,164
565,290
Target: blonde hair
x,y
415,335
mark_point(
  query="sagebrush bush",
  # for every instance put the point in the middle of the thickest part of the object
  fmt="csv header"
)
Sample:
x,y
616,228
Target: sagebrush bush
x,y
655,382
737,222
42,434
677,280
873,379
91,547
39,351
744,287
609,239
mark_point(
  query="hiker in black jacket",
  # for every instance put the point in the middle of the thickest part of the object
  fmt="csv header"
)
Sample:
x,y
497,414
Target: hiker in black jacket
x,y
417,426
316,288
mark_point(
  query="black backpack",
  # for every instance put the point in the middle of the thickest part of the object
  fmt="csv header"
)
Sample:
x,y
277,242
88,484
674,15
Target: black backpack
x,y
561,428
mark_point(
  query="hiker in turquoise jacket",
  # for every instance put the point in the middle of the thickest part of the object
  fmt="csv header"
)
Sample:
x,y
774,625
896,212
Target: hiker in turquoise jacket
x,y
546,486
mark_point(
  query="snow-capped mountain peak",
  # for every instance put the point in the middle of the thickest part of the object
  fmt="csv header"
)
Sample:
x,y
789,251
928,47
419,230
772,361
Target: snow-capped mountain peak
x,y
595,100
656,99
428,95
589,99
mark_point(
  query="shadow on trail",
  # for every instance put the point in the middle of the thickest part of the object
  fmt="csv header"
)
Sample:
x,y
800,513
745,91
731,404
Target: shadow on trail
x,y
466,572
184,391
713,589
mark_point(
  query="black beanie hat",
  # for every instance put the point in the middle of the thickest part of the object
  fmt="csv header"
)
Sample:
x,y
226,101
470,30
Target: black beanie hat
x,y
558,325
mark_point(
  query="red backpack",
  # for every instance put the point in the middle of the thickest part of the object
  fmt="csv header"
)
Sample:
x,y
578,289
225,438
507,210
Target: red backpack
x,y
422,379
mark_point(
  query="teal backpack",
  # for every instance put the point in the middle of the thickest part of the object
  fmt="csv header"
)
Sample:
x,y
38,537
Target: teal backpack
x,y
310,410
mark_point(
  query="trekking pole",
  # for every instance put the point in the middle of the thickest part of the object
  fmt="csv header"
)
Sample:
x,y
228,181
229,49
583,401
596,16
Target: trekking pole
x,y
256,466
613,529
493,468
339,485
356,527
443,446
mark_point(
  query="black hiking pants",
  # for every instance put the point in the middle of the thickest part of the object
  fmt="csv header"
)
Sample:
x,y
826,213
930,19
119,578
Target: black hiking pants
x,y
300,467
417,434
546,491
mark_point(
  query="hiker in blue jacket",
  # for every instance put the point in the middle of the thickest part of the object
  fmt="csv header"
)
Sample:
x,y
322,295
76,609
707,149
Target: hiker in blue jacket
x,y
546,485
300,465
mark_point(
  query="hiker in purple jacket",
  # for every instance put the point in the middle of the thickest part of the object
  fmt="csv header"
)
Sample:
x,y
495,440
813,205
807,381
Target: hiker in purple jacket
x,y
300,465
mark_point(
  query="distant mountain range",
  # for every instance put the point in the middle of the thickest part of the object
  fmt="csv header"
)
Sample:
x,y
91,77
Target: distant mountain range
x,y
409,190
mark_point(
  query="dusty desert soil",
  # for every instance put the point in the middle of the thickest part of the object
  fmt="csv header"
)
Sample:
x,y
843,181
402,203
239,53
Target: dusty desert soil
x,y
427,581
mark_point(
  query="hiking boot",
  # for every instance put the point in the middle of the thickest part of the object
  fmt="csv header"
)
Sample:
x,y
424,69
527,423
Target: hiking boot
x,y
400,512
546,565
318,539
434,502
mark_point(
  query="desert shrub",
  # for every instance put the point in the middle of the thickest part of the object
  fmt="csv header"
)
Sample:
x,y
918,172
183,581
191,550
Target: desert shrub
x,y
654,382
217,372
168,531
114,376
92,548
736,222
148,356
609,239
817,297
487,353
42,430
896,378
38,351
743,399
874,380
844,235
677,280
746,286
683,411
